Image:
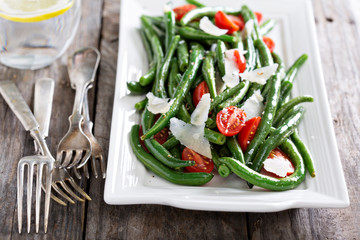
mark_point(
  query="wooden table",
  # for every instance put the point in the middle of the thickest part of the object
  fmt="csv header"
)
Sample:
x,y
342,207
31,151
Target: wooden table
x,y
338,35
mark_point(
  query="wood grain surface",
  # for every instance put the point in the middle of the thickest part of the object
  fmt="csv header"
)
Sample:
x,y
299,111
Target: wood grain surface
x,y
339,38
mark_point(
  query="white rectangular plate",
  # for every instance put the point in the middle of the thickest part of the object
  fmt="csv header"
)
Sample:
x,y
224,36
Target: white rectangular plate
x,y
129,182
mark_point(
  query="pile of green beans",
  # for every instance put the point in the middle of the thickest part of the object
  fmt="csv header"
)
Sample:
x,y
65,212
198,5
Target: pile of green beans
x,y
180,57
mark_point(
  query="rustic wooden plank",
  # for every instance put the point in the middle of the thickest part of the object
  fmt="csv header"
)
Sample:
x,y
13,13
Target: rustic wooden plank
x,y
64,222
337,35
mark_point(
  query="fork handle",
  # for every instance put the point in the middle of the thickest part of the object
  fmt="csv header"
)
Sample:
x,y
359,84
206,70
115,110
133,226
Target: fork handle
x,y
16,102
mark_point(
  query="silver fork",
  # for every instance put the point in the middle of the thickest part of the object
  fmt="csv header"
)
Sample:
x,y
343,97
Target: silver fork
x,y
44,89
97,153
18,105
81,67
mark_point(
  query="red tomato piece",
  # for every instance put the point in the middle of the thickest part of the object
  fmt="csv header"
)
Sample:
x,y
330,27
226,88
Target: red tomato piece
x,y
162,136
230,120
269,43
202,163
199,91
182,10
223,21
240,60
247,133
238,20
258,17
277,153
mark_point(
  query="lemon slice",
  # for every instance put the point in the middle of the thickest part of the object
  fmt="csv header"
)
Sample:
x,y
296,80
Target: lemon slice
x,y
33,10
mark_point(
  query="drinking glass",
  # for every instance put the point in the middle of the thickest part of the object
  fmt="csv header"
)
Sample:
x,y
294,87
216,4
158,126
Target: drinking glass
x,y
34,33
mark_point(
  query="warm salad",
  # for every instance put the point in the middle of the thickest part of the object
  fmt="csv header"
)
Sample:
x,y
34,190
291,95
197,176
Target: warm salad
x,y
218,100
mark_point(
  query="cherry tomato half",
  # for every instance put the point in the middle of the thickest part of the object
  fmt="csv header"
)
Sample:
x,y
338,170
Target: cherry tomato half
x,y
223,21
258,17
238,20
248,132
269,43
230,120
202,163
199,91
182,10
277,153
163,135
240,60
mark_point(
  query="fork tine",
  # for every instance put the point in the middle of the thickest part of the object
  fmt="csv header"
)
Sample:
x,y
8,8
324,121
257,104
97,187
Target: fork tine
x,y
102,166
58,200
59,191
68,156
77,174
77,158
38,196
93,166
79,189
86,171
20,187
84,159
29,194
68,190
47,196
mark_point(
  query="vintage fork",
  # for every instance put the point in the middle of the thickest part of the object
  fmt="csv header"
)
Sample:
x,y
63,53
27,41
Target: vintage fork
x,y
44,89
97,151
18,105
81,67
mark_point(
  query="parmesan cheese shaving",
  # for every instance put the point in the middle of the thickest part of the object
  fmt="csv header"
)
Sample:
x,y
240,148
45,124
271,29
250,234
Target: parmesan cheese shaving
x,y
260,75
253,106
201,112
207,26
277,165
158,105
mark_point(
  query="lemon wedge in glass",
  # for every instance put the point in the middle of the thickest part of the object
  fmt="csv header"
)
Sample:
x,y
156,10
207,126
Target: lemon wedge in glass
x,y
33,10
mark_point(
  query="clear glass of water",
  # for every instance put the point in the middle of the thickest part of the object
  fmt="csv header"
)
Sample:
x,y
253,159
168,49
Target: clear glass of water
x,y
34,33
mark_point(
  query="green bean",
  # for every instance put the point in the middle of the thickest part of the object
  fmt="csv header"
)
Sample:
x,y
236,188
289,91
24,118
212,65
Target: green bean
x,y
279,71
148,77
235,149
305,153
238,41
266,120
211,121
199,78
208,71
157,21
183,55
183,114
234,100
194,179
195,25
147,45
176,151
224,151
172,81
276,138
220,58
164,156
196,56
267,26
290,105
226,94
198,35
205,11
214,137
247,14
163,71
170,143
141,104
267,182
169,21
222,169
136,88
290,76
250,56
189,102
196,3
286,87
